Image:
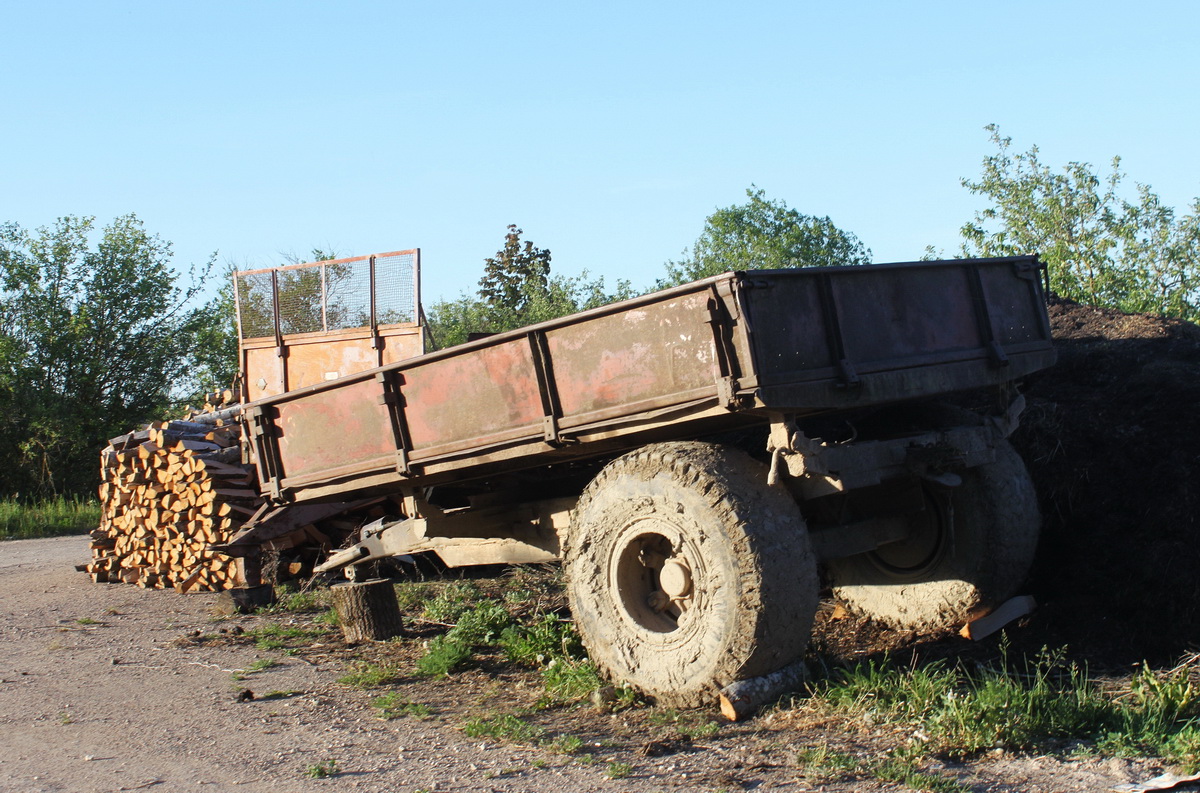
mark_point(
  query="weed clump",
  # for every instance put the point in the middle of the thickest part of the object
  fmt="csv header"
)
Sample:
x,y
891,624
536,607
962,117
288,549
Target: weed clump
x,y
505,726
1026,706
541,642
443,655
393,706
567,679
368,675
452,602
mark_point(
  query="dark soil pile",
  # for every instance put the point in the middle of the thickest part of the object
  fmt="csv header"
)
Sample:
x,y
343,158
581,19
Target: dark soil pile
x,y
1111,436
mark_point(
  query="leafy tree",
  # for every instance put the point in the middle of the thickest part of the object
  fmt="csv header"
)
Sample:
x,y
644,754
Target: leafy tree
x,y
92,337
764,234
515,279
213,342
517,289
1099,247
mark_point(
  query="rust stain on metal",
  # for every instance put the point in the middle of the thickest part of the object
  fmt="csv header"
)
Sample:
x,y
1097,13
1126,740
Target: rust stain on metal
x,y
493,390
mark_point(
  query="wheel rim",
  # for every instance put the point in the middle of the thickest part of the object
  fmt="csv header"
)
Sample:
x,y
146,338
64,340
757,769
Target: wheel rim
x,y
654,576
926,545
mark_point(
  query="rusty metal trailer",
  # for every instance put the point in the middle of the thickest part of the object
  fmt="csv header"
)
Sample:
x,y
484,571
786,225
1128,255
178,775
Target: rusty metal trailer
x,y
692,454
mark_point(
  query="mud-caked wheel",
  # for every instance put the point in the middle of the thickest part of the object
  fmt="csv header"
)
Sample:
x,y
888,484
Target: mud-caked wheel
x,y
967,551
686,572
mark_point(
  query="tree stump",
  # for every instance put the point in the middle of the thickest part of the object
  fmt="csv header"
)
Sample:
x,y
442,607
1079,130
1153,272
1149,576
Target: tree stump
x,y
367,610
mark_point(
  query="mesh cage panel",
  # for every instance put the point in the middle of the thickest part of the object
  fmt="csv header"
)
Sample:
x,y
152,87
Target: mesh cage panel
x,y
329,296
349,290
255,305
394,285
300,300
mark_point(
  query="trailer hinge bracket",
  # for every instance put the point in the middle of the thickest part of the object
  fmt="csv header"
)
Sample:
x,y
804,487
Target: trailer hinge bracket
x,y
550,430
997,354
849,377
262,430
1027,269
727,393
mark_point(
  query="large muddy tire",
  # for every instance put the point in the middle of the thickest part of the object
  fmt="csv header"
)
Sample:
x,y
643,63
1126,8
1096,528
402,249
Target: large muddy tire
x,y
968,551
686,572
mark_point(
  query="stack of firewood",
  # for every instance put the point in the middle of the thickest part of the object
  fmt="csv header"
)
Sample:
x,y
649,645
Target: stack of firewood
x,y
168,493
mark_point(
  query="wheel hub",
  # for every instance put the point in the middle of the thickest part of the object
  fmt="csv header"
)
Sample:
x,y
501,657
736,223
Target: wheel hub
x,y
675,579
927,542
654,577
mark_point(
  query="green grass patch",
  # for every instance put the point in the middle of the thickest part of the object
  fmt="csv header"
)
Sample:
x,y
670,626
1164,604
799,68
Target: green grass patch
x,y
368,675
452,602
564,743
617,770
261,665
280,695
903,766
443,656
822,764
393,706
537,644
53,517
482,624
504,727
321,770
411,596
1026,706
273,636
568,680
290,600
689,724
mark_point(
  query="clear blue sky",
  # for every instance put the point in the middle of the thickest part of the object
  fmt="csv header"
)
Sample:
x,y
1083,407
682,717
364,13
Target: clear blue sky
x,y
608,131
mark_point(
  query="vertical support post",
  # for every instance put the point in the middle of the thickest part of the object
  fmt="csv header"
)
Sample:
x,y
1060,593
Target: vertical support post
x,y
726,357
243,392
393,400
418,315
280,350
376,341
833,334
324,301
270,469
983,318
547,389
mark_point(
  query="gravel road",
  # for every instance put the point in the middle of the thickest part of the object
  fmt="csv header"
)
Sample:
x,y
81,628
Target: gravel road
x,y
113,706
96,696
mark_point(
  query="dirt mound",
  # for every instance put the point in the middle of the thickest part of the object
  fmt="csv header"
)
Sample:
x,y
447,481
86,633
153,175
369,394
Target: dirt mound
x,y
1111,436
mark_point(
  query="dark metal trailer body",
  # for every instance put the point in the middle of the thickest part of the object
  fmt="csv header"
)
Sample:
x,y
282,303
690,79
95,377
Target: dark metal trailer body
x,y
715,354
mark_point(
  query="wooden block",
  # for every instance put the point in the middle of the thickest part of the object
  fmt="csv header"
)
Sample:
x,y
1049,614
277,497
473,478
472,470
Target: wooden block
x,y
1005,613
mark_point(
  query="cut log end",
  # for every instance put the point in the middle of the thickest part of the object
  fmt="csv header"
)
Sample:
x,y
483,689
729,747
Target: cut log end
x,y
743,698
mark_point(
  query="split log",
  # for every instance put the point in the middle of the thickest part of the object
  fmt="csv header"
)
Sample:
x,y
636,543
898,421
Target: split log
x,y
740,699
174,496
217,416
367,610
160,512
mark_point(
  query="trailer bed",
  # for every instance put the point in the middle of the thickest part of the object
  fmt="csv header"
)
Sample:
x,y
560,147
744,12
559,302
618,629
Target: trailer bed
x,y
716,354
